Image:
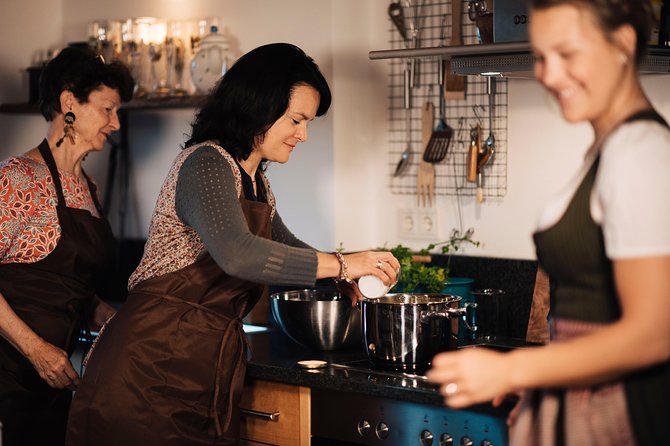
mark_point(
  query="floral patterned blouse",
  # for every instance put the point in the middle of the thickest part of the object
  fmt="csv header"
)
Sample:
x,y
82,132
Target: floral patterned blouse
x,y
29,228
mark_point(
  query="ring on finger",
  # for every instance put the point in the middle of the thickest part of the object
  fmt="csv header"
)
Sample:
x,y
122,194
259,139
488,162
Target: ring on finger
x,y
380,264
451,389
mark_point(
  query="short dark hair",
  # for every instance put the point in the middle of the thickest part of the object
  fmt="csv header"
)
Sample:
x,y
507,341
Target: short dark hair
x,y
253,94
80,70
611,14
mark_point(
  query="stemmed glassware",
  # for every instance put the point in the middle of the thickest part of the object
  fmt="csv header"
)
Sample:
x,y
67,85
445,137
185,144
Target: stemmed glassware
x,y
150,34
157,51
175,53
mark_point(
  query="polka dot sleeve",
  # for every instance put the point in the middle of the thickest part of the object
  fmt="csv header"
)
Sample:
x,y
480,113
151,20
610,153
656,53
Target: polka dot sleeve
x,y
206,199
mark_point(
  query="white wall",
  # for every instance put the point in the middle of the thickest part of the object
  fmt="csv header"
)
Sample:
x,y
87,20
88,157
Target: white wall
x,y
23,38
303,186
333,190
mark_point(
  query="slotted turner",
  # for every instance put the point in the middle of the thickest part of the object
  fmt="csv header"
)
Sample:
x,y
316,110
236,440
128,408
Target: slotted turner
x,y
438,145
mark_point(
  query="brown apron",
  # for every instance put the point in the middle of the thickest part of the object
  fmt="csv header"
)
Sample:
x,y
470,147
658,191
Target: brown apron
x,y
51,296
169,368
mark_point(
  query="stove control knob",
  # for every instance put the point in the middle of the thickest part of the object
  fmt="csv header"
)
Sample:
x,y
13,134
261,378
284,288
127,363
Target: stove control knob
x,y
466,441
426,438
382,431
364,428
485,443
446,440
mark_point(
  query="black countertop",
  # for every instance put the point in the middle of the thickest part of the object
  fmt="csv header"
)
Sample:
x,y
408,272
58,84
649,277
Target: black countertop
x,y
273,356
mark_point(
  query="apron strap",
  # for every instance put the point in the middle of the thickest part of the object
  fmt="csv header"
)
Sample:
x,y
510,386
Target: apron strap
x,y
48,157
93,189
45,151
234,327
649,114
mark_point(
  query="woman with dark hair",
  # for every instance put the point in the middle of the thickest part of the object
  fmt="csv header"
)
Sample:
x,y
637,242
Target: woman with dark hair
x,y
56,248
605,242
169,368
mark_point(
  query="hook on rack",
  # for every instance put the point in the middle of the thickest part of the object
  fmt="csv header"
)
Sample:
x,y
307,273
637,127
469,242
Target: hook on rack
x,y
475,109
459,130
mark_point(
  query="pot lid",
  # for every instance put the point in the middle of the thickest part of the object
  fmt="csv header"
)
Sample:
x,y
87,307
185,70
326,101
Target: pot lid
x,y
413,299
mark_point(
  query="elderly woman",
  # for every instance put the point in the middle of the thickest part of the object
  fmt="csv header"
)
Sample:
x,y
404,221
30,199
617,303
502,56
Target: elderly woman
x,y
605,242
55,246
169,367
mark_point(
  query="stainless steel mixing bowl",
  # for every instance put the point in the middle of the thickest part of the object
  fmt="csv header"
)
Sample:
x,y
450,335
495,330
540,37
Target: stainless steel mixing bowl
x,y
318,319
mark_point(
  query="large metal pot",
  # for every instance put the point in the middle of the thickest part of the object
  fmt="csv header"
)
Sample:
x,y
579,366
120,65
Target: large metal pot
x,y
404,331
317,319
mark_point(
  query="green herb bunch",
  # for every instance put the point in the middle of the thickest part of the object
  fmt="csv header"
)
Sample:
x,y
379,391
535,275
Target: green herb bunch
x,y
418,276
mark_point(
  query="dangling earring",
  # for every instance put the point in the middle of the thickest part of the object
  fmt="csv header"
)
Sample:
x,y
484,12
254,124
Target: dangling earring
x,y
69,128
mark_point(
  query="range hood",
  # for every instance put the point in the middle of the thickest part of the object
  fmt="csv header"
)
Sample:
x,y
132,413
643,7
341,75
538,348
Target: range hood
x,y
512,59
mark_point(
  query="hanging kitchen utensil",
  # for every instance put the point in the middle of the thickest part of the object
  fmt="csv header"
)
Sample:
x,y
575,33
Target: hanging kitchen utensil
x,y
489,144
439,141
438,145
473,153
454,84
425,176
479,191
406,155
487,150
415,23
397,15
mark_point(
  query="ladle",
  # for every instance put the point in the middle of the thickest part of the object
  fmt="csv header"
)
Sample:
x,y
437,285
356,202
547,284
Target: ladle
x,y
406,155
490,142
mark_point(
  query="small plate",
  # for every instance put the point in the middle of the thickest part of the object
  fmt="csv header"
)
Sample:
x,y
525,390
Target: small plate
x,y
312,364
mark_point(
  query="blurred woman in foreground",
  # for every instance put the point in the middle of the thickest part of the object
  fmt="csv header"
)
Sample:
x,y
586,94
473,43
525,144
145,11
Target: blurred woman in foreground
x,y
605,242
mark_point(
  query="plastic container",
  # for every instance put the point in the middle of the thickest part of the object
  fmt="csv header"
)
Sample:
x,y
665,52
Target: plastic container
x,y
372,287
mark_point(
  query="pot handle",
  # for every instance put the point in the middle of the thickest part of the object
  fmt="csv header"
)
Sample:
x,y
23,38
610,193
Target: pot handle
x,y
453,312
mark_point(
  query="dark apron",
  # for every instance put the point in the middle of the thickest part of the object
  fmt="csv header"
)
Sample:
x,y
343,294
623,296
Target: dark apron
x,y
52,297
584,296
169,368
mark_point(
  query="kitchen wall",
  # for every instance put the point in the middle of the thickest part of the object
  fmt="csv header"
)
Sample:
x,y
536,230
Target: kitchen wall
x,y
335,187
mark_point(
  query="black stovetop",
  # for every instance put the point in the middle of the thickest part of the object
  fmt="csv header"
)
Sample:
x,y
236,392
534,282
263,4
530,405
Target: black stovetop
x,y
273,356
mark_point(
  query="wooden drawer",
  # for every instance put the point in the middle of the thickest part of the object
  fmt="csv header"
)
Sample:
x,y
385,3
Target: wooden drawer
x,y
290,405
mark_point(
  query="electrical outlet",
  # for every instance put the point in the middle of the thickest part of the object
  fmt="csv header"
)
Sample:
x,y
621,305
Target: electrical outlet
x,y
427,226
407,224
418,224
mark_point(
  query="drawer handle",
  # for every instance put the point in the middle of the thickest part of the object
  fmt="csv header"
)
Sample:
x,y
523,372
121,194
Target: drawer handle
x,y
262,415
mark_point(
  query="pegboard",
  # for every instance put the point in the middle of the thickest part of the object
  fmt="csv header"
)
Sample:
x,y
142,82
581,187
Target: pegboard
x,y
434,29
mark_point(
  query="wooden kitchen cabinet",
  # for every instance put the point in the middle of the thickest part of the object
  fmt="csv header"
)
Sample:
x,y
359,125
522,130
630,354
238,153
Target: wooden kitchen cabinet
x,y
289,404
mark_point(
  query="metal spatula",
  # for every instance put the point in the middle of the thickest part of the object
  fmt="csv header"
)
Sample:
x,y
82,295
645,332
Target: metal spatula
x,y
438,145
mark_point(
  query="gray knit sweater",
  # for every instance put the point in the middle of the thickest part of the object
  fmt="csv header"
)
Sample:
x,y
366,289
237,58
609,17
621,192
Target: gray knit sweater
x,y
198,210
